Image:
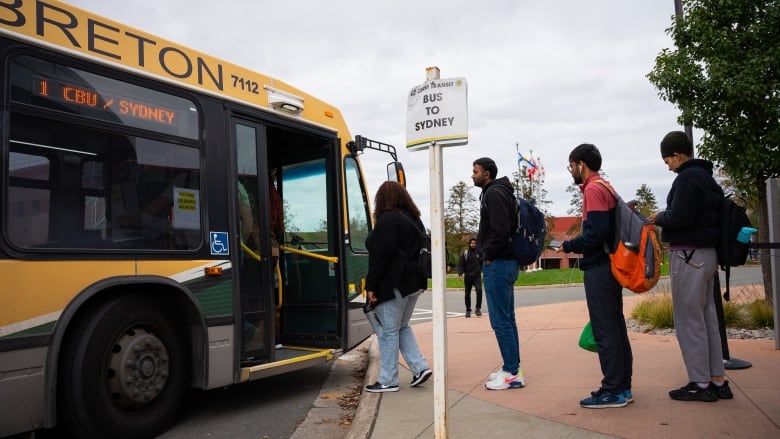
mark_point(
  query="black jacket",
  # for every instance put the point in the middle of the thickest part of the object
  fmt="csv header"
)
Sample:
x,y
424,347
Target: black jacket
x,y
392,239
692,216
470,263
497,220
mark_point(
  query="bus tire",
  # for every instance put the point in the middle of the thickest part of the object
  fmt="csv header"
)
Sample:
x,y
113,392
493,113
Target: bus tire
x,y
125,372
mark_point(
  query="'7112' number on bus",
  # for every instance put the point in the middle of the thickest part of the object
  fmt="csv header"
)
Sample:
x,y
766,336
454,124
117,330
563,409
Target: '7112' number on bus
x,y
245,85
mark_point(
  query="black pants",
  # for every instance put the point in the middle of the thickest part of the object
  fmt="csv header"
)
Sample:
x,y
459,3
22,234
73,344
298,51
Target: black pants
x,y
605,308
468,282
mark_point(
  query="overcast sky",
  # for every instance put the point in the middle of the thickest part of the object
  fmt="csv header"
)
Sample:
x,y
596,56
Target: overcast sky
x,y
547,75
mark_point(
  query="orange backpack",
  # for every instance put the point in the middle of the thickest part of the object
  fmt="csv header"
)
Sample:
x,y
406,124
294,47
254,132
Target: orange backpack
x,y
635,251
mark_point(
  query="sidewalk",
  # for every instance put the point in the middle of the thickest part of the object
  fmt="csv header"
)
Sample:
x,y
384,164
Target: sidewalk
x,y
559,374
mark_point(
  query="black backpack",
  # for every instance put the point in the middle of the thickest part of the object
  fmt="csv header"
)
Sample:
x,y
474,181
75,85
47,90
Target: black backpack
x,y
422,259
731,252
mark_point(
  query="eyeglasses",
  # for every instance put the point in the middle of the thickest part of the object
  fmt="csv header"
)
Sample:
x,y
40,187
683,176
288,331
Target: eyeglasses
x,y
568,168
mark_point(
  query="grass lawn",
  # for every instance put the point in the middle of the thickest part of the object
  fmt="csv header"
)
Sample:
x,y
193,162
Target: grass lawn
x,y
555,276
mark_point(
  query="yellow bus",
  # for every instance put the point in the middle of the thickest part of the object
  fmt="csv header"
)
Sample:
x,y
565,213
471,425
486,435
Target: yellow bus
x,y
168,221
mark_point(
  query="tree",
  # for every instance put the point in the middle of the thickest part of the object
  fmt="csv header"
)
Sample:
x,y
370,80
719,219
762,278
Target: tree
x,y
575,208
646,203
575,204
724,76
461,218
289,218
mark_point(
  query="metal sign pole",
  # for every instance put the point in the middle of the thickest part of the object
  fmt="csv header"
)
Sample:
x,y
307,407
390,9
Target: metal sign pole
x,y
773,210
437,116
438,286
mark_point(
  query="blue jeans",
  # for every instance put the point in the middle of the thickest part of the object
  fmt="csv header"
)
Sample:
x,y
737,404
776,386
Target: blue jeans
x,y
397,335
499,278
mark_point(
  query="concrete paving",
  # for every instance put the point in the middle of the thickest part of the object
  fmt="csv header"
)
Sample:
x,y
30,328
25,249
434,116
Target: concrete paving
x,y
559,374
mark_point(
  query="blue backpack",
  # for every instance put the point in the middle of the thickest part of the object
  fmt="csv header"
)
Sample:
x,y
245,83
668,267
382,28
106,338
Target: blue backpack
x,y
528,239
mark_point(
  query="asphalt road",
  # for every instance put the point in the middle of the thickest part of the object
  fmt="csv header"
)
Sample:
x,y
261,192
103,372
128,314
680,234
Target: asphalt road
x,y
270,408
531,296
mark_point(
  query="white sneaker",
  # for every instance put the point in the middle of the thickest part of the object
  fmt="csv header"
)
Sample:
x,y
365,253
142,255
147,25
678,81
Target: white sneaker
x,y
493,375
503,380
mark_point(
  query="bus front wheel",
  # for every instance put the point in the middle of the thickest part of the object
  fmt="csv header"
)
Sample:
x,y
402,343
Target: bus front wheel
x,y
124,371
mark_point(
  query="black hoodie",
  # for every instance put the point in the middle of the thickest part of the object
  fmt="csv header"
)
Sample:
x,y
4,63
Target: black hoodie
x,y
497,220
692,218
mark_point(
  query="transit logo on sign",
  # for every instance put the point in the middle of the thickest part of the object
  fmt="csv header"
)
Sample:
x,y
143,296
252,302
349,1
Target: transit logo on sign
x,y
437,111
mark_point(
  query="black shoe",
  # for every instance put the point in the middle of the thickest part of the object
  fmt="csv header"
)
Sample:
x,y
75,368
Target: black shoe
x,y
692,392
724,391
421,377
379,388
478,312
468,313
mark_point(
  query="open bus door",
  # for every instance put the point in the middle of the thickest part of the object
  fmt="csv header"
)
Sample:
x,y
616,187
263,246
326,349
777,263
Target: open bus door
x,y
290,287
301,271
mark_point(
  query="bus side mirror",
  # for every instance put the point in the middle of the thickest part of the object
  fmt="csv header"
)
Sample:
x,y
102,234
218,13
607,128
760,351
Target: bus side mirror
x,y
395,172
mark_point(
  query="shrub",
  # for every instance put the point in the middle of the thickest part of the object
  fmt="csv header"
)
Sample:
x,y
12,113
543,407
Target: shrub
x,y
732,314
747,309
759,314
655,310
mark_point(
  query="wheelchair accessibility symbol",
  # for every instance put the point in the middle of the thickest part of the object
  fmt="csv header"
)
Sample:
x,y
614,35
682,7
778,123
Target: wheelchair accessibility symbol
x,y
219,243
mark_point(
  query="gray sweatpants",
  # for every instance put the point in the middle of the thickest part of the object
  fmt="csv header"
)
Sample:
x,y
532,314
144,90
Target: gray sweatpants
x,y
695,320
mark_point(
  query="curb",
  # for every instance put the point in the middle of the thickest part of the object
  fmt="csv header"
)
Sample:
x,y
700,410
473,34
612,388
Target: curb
x,y
324,418
365,415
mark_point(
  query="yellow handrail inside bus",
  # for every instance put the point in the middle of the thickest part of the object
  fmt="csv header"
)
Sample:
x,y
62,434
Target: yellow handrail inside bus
x,y
279,286
254,255
333,259
250,252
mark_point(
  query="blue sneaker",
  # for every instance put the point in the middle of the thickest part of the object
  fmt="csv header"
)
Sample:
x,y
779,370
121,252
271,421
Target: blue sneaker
x,y
627,395
604,400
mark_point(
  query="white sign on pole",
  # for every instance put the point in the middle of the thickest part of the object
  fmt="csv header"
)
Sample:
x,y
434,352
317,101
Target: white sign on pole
x,y
437,111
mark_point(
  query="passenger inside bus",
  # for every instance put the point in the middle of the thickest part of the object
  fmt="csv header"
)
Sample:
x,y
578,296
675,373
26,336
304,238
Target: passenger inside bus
x,y
171,219
252,300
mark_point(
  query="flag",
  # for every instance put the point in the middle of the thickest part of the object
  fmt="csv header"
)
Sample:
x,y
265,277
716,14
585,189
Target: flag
x,y
521,158
533,168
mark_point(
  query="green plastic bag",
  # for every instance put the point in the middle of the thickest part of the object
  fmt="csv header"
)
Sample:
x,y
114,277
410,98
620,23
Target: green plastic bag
x,y
587,341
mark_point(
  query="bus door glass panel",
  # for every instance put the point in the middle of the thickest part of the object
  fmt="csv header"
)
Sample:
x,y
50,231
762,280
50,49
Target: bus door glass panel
x,y
355,253
310,302
359,227
252,257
